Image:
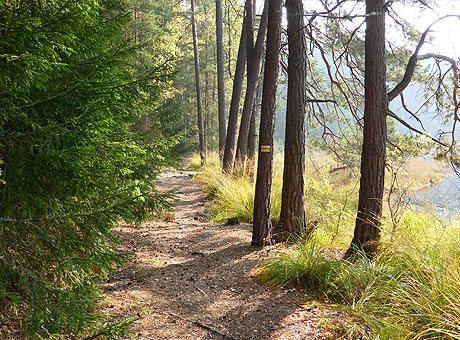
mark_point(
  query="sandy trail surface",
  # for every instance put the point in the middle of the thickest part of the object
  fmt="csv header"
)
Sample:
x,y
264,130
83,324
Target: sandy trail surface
x,y
191,279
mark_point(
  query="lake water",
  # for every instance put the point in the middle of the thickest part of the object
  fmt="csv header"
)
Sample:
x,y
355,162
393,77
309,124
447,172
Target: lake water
x,y
445,196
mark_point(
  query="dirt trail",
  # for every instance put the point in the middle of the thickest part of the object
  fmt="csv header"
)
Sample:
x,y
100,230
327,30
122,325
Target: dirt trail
x,y
193,280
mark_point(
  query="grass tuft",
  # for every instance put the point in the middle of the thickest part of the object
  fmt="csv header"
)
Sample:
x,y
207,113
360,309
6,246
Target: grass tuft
x,y
406,292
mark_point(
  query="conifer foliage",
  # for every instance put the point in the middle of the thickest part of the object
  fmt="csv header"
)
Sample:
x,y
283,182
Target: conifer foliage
x,y
71,165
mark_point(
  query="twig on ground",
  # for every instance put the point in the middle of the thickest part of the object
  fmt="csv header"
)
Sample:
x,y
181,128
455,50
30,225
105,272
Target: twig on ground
x,y
199,324
197,288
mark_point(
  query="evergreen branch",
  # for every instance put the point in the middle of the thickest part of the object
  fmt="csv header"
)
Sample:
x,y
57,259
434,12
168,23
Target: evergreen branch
x,y
73,216
40,101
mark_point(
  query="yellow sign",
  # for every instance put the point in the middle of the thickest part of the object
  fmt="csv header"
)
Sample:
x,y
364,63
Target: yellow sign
x,y
265,148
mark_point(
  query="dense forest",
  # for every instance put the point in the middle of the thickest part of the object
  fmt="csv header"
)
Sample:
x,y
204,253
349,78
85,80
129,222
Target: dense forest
x,y
316,123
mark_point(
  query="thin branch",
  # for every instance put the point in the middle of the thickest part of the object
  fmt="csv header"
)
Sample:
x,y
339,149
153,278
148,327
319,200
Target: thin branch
x,y
407,125
410,112
312,100
410,68
352,35
199,324
441,57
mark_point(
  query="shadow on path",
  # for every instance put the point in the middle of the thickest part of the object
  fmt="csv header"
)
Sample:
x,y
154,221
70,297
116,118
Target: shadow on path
x,y
188,275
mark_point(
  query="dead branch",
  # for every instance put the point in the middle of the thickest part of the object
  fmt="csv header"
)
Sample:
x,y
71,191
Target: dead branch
x,y
201,325
413,115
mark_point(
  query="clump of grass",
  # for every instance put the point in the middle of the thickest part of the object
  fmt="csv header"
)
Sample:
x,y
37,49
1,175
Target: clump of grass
x,y
304,265
233,194
165,215
412,290
194,161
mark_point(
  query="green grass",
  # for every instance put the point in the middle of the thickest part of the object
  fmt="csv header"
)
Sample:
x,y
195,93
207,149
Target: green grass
x,y
194,162
233,196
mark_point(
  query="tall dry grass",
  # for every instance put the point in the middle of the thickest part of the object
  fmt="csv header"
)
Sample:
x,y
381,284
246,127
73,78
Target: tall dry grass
x,y
410,291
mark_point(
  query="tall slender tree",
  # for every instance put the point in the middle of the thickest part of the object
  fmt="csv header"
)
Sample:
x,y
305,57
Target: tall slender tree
x,y
255,53
292,215
262,225
220,77
236,97
252,138
202,144
367,228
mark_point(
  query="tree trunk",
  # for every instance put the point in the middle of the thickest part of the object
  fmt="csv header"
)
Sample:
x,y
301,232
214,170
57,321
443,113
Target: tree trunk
x,y
367,228
292,215
229,27
235,102
198,88
262,229
220,77
206,98
255,54
252,138
206,115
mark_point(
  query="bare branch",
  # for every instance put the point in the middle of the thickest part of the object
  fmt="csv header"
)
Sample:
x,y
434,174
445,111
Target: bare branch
x,y
410,68
441,57
407,125
410,112
312,100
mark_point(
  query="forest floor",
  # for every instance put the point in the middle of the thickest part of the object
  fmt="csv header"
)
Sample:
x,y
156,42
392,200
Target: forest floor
x,y
191,279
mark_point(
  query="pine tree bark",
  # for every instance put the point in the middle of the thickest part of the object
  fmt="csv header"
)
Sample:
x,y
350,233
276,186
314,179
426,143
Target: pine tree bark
x,y
206,99
252,138
220,77
368,220
292,215
202,144
262,228
255,54
235,101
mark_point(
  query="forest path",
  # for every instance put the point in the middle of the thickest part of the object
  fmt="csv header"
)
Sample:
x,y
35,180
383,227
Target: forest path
x,y
190,279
